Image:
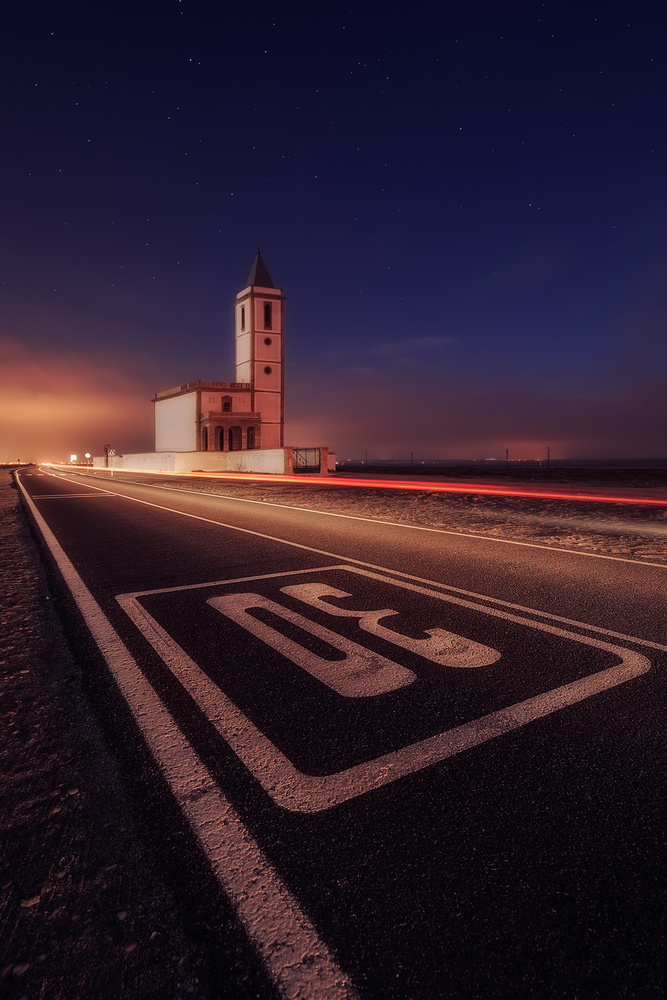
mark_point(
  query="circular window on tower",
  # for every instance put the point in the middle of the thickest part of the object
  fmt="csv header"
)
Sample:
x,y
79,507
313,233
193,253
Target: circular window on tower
x,y
268,370
268,341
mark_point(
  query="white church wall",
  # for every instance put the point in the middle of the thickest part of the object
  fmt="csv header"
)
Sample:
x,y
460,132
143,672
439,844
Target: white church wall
x,y
176,423
242,312
242,348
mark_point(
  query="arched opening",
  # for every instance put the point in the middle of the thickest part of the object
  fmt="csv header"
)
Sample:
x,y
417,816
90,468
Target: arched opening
x,y
250,438
226,404
204,439
234,437
220,439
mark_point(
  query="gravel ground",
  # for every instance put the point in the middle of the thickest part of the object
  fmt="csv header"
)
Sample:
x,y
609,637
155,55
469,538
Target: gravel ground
x,y
84,912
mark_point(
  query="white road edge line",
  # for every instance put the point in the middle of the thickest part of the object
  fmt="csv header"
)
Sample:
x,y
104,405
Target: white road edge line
x,y
393,524
76,496
299,964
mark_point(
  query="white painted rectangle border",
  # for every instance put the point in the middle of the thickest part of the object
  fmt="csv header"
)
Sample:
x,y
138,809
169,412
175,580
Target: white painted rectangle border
x,y
292,789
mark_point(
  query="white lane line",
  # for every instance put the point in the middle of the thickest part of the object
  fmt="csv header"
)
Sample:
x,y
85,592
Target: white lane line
x,y
382,569
297,791
75,496
398,524
297,960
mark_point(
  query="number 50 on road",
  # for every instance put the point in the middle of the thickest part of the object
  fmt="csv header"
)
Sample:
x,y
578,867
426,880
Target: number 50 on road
x,y
331,682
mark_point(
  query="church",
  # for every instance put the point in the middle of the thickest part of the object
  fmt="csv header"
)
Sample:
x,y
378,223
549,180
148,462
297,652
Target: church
x,y
249,412
208,426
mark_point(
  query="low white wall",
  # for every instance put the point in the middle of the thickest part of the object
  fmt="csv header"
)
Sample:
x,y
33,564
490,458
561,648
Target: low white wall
x,y
269,460
263,460
154,461
275,461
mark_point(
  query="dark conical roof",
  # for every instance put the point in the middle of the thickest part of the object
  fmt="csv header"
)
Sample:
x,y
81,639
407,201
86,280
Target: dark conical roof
x,y
259,274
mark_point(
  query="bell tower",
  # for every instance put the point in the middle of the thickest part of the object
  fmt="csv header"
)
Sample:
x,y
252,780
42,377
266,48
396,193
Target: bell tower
x,y
259,314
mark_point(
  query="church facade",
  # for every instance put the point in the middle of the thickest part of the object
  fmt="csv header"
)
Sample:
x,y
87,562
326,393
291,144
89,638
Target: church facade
x,y
249,413
236,427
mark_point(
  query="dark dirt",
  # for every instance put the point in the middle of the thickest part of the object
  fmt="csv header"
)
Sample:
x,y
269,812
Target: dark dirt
x,y
84,909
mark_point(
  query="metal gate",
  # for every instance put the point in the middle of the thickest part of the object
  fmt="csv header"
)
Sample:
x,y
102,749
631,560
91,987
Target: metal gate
x,y
307,459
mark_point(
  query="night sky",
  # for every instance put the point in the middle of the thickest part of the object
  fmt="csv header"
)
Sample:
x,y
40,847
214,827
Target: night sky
x,y
464,202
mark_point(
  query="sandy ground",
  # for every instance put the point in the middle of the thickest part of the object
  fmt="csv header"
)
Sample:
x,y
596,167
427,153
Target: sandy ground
x,y
84,912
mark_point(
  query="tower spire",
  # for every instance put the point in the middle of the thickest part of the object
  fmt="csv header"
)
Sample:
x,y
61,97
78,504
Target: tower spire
x,y
259,274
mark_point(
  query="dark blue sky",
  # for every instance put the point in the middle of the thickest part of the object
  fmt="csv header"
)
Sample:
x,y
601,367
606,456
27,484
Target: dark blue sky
x,y
464,202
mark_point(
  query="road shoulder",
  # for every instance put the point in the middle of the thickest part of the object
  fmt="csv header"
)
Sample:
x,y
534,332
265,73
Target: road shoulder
x,y
84,911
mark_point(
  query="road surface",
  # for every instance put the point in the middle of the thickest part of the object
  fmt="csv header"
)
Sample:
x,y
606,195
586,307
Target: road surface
x,y
418,764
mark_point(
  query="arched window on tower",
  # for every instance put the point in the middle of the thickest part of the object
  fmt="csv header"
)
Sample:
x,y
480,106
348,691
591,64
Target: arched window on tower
x,y
243,317
267,315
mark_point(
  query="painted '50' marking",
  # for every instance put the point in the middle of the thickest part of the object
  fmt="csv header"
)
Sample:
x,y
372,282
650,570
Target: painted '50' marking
x,y
362,673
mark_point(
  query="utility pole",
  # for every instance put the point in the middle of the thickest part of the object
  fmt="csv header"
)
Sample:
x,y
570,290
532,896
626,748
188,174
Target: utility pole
x,y
548,457
507,456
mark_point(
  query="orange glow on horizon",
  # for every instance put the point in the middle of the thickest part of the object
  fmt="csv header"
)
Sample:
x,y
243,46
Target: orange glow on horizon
x,y
61,402
390,484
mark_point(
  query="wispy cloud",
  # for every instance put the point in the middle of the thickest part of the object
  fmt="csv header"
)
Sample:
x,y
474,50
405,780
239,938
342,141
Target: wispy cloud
x,y
413,345
409,347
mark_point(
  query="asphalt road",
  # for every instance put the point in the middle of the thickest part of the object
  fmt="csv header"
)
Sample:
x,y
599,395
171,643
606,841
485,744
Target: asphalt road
x,y
418,764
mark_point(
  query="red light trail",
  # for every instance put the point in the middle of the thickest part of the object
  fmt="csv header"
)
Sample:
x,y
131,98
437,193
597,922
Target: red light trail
x,y
476,489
